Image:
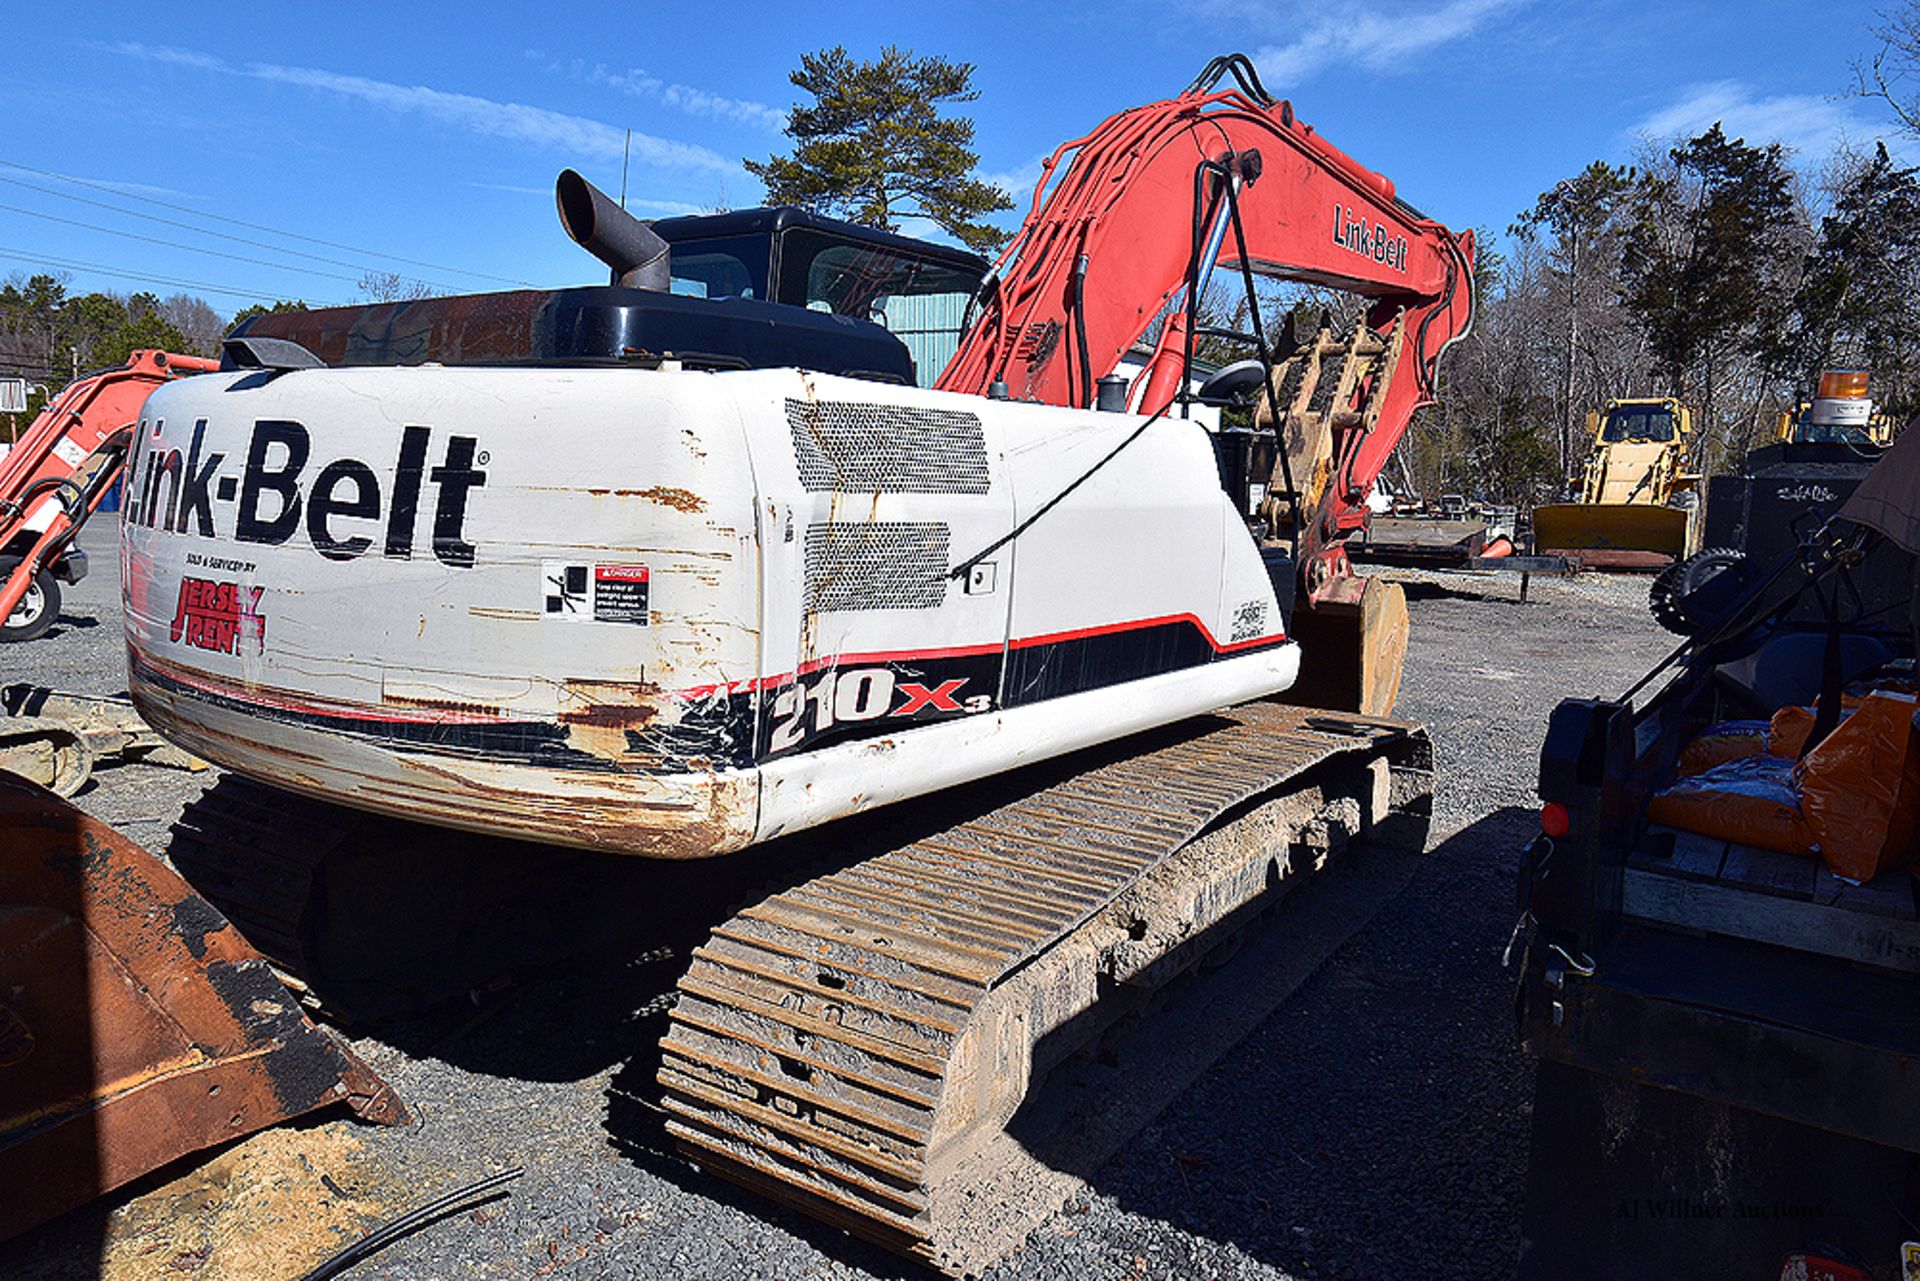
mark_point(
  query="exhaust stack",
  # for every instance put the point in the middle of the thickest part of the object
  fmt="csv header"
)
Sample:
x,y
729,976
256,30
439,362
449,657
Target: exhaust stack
x,y
638,257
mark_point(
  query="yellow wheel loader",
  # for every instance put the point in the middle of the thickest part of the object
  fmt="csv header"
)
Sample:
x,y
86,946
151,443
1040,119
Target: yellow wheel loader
x,y
1639,504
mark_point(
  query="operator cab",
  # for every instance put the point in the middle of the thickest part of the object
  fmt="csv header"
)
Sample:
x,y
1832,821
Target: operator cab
x,y
915,290
750,289
1640,424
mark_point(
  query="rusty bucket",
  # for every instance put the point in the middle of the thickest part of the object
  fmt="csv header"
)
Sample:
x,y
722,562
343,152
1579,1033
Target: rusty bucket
x,y
136,1025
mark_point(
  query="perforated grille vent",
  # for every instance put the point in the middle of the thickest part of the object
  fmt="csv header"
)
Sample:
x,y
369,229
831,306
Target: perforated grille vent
x,y
889,449
879,565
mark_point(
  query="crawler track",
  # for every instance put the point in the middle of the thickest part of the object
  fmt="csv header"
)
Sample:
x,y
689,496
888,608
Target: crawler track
x,y
855,1045
852,1045
257,854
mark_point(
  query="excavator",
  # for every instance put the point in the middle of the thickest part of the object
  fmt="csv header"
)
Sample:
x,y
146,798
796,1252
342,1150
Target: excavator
x,y
691,563
57,474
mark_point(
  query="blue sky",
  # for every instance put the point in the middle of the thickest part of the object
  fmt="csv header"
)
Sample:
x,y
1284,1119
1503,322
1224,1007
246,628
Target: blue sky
x,y
434,133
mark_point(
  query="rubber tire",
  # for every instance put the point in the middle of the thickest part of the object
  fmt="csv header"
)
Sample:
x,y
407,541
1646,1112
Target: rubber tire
x,y
36,624
1667,595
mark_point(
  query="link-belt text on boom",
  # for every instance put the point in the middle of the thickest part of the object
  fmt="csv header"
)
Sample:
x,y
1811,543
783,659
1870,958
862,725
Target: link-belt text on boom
x,y
1360,236
343,506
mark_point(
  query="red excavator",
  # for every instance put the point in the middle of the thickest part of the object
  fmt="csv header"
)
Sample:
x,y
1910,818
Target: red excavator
x,y
56,475
1154,201
680,565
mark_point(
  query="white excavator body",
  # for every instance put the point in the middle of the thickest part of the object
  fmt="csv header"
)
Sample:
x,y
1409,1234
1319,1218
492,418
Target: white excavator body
x,y
669,612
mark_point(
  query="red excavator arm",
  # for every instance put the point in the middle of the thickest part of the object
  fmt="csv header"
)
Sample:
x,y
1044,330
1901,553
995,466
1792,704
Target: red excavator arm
x,y
1151,203
60,469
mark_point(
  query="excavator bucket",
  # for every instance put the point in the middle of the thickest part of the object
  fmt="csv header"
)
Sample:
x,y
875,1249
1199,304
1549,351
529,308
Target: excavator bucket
x,y
136,1025
1353,646
1613,535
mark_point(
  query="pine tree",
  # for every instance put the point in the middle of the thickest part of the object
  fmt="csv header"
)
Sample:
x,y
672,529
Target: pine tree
x,y
1705,257
874,147
1858,304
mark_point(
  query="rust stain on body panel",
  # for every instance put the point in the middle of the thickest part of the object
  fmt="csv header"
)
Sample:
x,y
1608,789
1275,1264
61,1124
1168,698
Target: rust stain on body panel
x,y
684,500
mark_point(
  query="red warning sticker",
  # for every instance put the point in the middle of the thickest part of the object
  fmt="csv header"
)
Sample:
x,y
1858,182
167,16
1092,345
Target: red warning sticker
x,y
620,594
577,593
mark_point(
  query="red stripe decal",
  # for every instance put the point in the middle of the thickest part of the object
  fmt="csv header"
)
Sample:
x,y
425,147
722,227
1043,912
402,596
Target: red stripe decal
x,y
878,657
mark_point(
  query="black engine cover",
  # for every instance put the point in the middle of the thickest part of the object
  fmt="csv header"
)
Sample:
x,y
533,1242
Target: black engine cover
x,y
591,325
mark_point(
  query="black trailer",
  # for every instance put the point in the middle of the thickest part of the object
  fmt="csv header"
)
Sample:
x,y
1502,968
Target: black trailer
x,y
1728,1038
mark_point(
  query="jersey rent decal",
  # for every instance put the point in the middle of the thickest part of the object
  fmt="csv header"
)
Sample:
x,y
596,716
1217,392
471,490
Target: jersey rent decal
x,y
592,593
219,616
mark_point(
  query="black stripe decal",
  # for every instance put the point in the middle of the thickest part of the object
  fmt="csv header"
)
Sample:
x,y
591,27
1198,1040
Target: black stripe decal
x,y
719,733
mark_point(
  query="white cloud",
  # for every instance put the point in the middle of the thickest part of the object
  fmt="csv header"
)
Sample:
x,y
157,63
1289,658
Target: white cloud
x,y
577,135
1810,124
655,208
666,208
511,188
697,102
1019,181
116,184
1372,39
170,55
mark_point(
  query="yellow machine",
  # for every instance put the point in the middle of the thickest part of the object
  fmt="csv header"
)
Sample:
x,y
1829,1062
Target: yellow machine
x,y
1842,413
1638,505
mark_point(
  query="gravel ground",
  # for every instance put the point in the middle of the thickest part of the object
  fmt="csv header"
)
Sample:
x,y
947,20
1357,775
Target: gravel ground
x,y
1375,1125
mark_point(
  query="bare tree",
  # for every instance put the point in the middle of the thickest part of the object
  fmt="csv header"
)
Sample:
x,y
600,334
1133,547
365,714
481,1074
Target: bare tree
x,y
1580,218
1893,73
199,323
391,286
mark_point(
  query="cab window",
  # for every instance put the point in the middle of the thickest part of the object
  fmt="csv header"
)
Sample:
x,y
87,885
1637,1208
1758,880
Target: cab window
x,y
1640,424
721,267
921,301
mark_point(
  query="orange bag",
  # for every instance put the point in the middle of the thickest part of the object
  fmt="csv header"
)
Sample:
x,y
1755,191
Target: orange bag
x,y
1790,728
1718,744
1751,800
1854,801
1860,789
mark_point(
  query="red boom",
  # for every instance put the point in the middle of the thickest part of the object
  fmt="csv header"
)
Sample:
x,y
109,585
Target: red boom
x,y
1108,251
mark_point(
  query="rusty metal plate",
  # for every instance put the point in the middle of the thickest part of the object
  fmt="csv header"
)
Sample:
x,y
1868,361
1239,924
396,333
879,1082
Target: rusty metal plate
x,y
136,1024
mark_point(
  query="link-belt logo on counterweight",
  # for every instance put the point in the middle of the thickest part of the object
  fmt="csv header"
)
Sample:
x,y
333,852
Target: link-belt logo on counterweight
x,y
341,505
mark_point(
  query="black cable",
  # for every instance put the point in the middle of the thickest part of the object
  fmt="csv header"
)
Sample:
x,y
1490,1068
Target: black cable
x,y
175,244
74,264
1266,368
1244,73
203,231
413,1220
253,226
965,567
1202,231
1080,330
